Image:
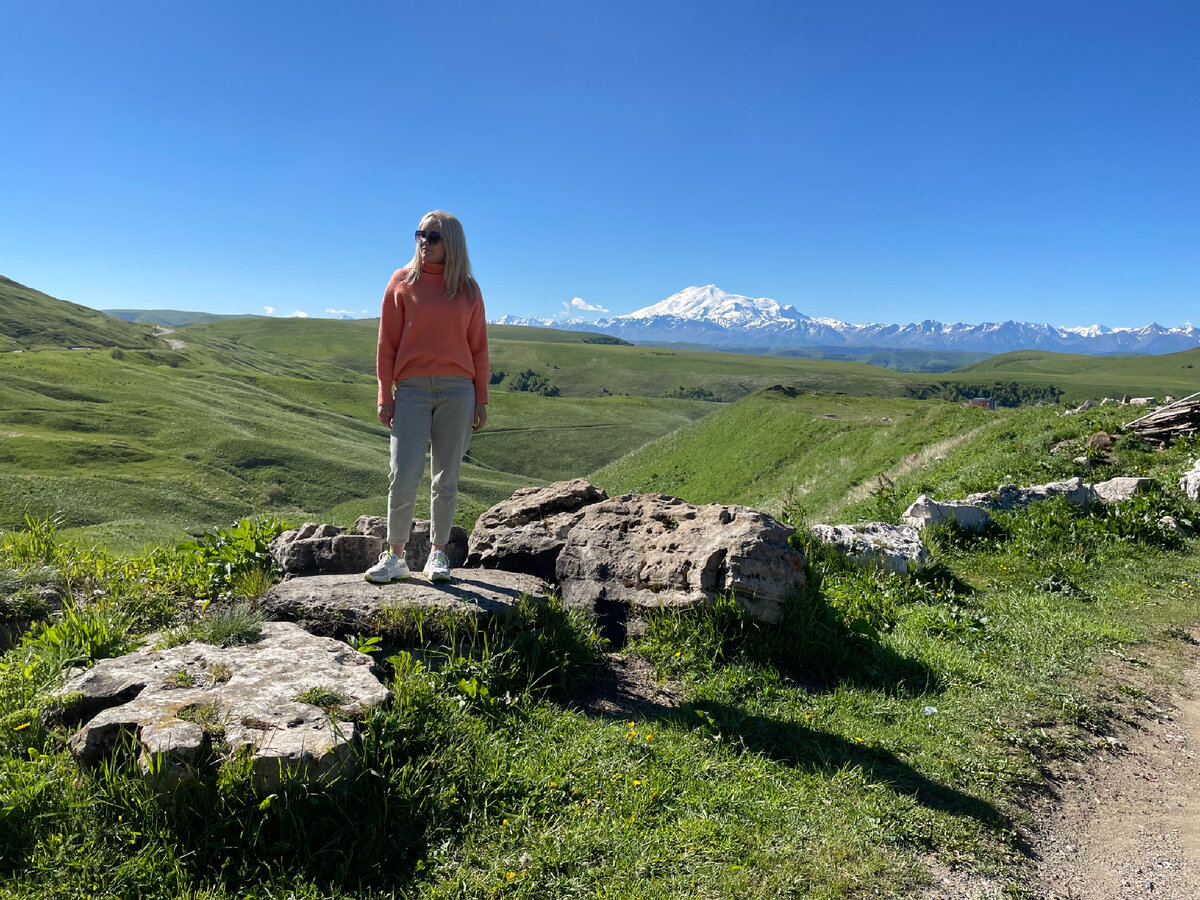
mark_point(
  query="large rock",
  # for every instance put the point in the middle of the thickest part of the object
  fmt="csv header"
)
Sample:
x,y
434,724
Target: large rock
x,y
1075,491
190,705
527,532
925,512
316,549
1189,482
345,605
896,549
642,551
1123,487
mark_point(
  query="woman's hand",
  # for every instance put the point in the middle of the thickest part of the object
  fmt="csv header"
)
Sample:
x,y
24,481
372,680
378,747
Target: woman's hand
x,y
386,412
480,416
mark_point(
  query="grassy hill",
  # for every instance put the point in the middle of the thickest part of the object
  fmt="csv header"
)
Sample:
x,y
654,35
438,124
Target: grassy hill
x,y
828,448
1094,376
139,445
31,320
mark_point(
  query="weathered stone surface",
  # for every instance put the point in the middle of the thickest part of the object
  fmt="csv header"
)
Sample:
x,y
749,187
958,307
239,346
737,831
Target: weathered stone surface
x,y
348,604
527,532
896,549
1122,487
315,549
1008,496
1085,405
176,699
925,512
1189,483
653,551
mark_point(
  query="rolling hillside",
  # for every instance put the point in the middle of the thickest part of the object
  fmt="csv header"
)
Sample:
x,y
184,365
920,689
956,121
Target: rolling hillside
x,y
31,320
828,448
140,446
1094,376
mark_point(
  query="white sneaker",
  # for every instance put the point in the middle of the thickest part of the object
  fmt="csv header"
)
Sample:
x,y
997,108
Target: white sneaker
x,y
389,568
437,567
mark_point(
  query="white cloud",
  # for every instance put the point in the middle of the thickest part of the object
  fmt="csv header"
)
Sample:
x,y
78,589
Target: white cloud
x,y
578,304
270,310
298,314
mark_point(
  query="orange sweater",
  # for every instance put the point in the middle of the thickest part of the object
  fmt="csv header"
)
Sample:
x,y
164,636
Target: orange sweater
x,y
423,333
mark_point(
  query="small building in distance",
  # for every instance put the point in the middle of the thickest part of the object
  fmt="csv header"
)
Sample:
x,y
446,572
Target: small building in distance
x,y
983,403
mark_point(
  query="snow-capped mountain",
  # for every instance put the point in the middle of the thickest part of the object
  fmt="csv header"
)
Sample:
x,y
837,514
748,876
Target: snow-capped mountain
x,y
709,315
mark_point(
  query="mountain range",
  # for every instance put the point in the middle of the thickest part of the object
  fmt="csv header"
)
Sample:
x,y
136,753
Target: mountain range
x,y
710,316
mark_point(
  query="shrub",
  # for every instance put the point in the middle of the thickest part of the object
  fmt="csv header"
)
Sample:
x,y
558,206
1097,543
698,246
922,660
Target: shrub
x,y
534,383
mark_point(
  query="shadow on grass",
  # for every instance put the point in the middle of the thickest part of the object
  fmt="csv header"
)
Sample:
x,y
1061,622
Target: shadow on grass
x,y
792,744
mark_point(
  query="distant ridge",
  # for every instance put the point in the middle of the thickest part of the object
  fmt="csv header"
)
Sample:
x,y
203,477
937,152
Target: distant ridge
x,y
174,318
710,316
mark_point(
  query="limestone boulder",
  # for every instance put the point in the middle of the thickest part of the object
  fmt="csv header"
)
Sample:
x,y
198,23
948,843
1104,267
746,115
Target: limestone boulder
x,y
925,512
191,705
345,605
896,549
1075,491
1123,487
1189,483
647,551
527,532
315,549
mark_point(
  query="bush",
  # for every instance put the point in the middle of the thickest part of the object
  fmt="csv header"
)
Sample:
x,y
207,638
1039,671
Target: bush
x,y
534,383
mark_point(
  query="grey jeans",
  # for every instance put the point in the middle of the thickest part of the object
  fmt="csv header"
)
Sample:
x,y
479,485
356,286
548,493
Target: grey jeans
x,y
431,411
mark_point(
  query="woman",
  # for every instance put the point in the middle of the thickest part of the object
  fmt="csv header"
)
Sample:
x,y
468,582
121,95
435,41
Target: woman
x,y
433,349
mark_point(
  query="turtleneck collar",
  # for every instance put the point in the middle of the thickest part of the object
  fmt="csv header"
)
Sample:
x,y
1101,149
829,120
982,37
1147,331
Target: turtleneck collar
x,y
433,268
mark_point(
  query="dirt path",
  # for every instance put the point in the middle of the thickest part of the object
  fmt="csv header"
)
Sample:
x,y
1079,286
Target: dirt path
x,y
1121,824
1127,824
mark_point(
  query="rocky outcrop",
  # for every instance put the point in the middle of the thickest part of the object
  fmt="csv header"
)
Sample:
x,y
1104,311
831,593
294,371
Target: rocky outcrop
x,y
527,532
646,551
314,549
1075,491
345,605
1123,487
925,512
1189,482
290,701
896,549
639,551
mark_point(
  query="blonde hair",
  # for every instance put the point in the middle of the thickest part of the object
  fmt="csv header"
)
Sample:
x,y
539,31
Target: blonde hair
x,y
457,273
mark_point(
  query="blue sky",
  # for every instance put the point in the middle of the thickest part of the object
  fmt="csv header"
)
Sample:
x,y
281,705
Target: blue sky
x,y
870,161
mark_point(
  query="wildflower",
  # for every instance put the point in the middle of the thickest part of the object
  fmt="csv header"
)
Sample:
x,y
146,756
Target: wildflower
x,y
506,821
509,876
649,737
637,782
22,726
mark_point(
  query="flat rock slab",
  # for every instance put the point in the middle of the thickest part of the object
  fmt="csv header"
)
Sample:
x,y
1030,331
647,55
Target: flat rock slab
x,y
349,604
182,703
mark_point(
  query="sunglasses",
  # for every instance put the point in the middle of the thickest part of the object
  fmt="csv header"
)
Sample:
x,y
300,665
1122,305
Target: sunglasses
x,y
429,237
